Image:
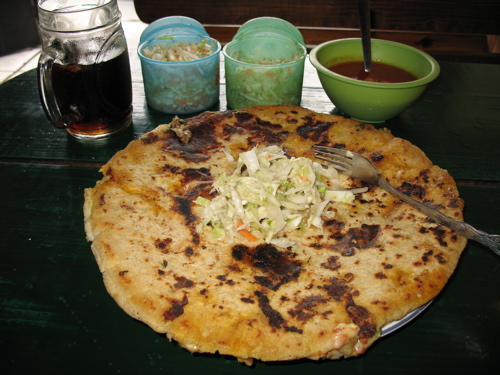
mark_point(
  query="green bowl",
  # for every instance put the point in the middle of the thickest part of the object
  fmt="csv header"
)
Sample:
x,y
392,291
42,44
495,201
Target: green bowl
x,y
372,102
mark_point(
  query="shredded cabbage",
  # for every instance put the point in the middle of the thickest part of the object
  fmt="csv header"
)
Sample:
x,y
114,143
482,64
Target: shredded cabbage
x,y
269,195
264,84
179,51
184,80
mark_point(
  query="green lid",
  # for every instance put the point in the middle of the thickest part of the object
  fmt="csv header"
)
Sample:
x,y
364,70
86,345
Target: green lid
x,y
269,27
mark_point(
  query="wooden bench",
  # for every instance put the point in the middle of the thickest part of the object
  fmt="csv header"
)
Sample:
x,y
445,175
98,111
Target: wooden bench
x,y
449,30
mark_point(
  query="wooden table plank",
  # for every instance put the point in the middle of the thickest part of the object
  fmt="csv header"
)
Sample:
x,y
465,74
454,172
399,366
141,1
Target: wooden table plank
x,y
457,122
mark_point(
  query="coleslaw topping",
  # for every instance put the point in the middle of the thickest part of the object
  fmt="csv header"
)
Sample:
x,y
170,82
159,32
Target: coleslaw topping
x,y
269,195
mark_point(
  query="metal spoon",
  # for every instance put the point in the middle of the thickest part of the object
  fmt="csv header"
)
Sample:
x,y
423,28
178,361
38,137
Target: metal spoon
x,y
364,23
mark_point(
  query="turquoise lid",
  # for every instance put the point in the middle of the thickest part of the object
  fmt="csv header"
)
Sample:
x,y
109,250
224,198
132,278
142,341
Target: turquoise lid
x,y
270,27
174,25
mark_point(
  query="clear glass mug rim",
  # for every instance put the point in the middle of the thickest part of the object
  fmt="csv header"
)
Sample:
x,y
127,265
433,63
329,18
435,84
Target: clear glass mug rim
x,y
69,18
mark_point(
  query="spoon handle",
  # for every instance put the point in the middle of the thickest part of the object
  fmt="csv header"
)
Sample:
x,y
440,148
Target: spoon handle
x,y
365,26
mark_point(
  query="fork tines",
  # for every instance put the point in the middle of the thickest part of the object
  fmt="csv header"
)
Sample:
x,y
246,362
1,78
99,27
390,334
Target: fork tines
x,y
339,158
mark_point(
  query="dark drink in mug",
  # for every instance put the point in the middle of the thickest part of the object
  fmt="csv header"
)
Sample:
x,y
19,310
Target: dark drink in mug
x,y
95,99
84,70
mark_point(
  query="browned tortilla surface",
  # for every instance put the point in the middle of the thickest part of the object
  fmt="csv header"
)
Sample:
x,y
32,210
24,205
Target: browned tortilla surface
x,y
327,297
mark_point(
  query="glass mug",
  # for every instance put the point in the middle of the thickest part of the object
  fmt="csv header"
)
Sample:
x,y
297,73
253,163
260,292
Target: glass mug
x,y
84,74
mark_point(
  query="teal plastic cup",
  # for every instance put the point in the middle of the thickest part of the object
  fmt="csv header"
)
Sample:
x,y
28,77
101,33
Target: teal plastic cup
x,y
264,65
179,87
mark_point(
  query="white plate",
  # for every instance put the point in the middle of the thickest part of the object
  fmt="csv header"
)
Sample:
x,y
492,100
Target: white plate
x,y
393,326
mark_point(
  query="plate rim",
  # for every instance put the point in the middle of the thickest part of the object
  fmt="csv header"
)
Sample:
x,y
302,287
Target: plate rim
x,y
397,324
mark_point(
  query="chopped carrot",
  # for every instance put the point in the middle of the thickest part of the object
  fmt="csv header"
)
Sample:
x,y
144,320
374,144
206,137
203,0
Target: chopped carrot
x,y
245,232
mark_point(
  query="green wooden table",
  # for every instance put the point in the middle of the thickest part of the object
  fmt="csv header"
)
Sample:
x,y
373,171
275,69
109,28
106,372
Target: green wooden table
x,y
57,318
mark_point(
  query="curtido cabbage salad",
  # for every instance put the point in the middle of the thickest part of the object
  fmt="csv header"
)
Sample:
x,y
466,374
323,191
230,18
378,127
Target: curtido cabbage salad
x,y
181,80
267,82
179,51
270,194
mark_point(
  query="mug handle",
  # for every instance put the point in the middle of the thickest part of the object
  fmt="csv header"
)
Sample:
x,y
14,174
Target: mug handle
x,y
46,90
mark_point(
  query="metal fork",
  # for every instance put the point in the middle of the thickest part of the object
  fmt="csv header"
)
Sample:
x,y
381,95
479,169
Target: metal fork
x,y
357,166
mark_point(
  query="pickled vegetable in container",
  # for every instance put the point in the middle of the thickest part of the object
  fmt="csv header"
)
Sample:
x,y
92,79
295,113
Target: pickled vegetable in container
x,y
180,66
264,64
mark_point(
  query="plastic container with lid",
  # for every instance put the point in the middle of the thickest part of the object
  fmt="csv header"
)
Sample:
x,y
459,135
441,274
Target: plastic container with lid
x,y
183,86
264,64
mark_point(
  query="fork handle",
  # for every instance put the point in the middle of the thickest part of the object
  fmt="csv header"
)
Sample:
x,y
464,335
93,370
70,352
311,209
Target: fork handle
x,y
460,227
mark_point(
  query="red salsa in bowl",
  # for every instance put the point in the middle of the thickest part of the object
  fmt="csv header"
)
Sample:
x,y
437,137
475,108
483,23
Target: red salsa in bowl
x,y
380,72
